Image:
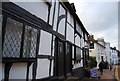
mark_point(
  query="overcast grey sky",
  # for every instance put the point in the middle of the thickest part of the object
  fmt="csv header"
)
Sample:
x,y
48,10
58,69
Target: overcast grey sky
x,y
100,18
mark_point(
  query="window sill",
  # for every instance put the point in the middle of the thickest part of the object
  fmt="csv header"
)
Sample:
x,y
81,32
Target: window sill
x,y
4,60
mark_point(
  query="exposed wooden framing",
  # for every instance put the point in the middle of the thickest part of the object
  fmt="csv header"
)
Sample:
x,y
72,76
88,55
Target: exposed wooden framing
x,y
3,28
34,70
17,13
70,25
49,7
46,57
65,24
7,70
29,18
58,17
27,75
21,49
52,39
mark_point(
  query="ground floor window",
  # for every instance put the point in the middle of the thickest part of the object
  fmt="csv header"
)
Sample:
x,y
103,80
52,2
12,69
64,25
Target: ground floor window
x,y
19,40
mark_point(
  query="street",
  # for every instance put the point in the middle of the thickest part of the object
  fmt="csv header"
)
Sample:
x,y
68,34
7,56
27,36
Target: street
x,y
119,73
106,76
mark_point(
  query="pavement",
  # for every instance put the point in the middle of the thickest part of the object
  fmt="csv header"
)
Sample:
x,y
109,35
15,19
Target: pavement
x,y
106,76
117,73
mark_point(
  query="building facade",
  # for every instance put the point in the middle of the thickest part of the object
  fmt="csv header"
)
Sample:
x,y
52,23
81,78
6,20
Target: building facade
x,y
114,55
42,40
119,57
98,51
108,52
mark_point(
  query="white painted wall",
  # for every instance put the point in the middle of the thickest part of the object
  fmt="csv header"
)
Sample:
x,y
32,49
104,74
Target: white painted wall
x,y
42,68
30,71
18,71
51,13
72,51
114,57
70,19
70,34
45,43
39,9
82,42
52,68
61,26
56,16
107,50
77,40
97,52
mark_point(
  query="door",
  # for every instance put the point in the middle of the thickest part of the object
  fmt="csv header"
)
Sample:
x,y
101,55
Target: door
x,y
68,58
59,58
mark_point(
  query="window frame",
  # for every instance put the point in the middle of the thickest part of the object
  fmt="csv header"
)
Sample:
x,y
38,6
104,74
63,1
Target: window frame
x,y
75,54
7,15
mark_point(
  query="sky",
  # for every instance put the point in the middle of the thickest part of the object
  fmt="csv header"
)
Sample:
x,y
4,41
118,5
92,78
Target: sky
x,y
100,18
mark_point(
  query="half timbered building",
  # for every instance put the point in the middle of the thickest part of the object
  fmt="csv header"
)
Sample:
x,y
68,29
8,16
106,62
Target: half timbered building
x,y
42,40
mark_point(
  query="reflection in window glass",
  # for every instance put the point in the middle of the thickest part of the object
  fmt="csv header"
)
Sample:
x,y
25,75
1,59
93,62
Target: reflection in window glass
x,y
12,38
78,54
30,40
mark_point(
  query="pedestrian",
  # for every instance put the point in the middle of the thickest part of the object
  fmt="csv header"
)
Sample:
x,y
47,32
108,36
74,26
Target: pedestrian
x,y
101,67
110,67
106,64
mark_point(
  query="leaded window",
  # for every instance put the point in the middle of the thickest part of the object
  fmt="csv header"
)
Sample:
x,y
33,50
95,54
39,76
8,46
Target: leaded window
x,y
29,48
20,40
78,53
12,38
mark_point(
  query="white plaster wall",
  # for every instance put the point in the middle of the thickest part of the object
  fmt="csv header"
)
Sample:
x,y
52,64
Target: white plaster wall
x,y
61,26
39,9
52,68
42,68
51,13
72,51
70,18
70,33
81,63
82,42
86,38
56,17
77,40
18,71
30,71
53,50
62,10
45,43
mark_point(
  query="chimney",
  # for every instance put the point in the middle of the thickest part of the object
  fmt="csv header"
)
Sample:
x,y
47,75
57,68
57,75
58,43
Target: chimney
x,y
91,37
114,48
73,7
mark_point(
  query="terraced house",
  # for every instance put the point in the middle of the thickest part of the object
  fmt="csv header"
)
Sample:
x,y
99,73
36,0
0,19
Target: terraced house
x,y
42,40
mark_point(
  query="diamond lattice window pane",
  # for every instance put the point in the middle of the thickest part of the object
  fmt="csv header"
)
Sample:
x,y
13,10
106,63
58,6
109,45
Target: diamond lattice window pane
x,y
12,38
30,41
